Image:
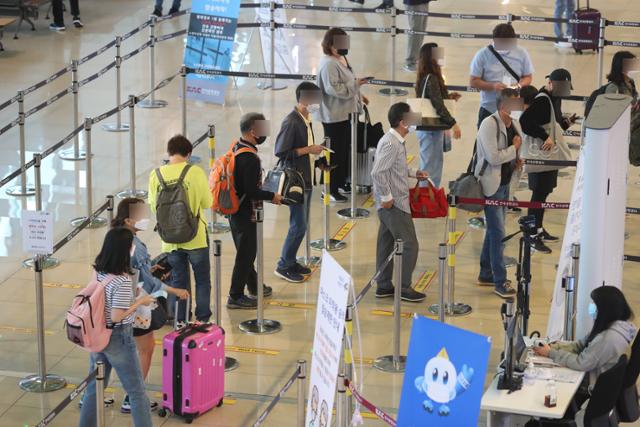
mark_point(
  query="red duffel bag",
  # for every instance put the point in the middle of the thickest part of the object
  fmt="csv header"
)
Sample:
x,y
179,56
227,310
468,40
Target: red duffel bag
x,y
428,202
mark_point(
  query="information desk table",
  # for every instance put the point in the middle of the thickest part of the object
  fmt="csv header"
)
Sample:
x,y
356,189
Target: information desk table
x,y
504,407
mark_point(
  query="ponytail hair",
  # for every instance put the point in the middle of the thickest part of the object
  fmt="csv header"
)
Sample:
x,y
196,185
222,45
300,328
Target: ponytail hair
x,y
124,211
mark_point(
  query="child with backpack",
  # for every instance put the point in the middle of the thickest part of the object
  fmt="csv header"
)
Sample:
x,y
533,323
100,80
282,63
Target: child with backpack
x,y
113,277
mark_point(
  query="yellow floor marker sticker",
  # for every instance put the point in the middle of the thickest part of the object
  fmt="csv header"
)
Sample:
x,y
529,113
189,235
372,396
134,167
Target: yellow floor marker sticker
x,y
62,285
406,315
250,350
344,230
369,202
285,304
424,281
458,236
26,331
364,361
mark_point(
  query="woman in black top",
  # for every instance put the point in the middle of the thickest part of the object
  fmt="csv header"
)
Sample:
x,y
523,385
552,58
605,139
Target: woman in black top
x,y
541,184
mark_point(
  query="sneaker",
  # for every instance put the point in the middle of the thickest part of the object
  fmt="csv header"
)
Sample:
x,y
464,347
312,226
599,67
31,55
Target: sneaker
x,y
77,22
108,401
266,292
485,281
563,45
548,237
539,246
299,268
337,197
411,295
55,27
409,68
505,290
157,12
345,189
384,293
125,408
290,275
173,10
241,303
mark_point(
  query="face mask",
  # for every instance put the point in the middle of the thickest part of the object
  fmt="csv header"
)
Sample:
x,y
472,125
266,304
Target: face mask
x,y
133,250
412,128
503,52
593,310
343,52
633,74
142,224
260,139
313,108
515,115
440,62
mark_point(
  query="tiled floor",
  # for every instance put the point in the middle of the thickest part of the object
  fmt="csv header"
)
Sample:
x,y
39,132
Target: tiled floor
x,y
37,54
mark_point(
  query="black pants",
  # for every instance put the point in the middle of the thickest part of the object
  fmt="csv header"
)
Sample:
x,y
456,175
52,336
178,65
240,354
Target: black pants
x,y
340,134
244,233
539,195
57,7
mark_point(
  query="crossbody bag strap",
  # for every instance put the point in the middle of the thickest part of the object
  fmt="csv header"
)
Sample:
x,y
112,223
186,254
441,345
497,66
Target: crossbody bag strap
x,y
426,82
552,121
504,63
485,164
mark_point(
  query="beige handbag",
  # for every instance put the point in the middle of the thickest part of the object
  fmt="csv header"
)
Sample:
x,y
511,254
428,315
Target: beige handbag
x,y
425,107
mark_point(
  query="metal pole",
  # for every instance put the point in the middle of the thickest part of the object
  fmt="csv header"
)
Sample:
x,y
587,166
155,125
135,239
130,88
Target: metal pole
x,y
395,362
41,382
100,393
569,317
353,212
23,189
302,388
110,208
441,307
272,28
348,356
215,227
229,362
260,325
327,243
133,191
151,101
389,91
453,308
508,313
98,221
341,419
75,153
601,43
308,260
118,126
183,74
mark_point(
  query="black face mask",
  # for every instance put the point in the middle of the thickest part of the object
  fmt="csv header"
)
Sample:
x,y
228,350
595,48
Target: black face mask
x,y
343,52
260,139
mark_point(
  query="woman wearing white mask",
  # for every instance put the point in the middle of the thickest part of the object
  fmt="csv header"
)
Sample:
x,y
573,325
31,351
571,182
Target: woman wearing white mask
x,y
621,77
430,84
133,215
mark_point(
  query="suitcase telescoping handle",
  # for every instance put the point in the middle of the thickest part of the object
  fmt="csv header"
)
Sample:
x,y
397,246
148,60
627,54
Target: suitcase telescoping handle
x,y
186,313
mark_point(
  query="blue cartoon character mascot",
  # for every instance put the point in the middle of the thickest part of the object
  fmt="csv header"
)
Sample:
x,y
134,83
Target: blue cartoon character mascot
x,y
441,382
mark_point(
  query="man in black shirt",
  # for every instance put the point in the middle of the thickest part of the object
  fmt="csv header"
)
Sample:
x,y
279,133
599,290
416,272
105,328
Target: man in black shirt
x,y
248,179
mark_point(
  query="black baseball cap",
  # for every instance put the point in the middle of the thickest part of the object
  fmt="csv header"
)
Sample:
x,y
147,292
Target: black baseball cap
x,y
560,75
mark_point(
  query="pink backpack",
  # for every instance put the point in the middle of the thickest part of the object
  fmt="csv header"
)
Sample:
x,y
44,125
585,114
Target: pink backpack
x,y
86,323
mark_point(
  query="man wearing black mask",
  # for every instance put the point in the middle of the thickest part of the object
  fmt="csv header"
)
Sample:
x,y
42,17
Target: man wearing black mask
x,y
248,180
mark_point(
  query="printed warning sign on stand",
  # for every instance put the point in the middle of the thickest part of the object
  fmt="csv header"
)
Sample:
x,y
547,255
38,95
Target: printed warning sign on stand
x,y
37,232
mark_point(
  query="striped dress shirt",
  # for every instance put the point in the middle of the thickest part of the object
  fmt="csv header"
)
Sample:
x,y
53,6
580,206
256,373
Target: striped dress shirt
x,y
390,173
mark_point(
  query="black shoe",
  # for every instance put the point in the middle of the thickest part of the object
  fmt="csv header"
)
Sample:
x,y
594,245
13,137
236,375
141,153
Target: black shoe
x,y
157,12
505,290
514,209
482,281
299,268
77,22
384,293
266,292
338,198
55,27
290,275
345,189
411,295
173,10
241,303
539,246
548,237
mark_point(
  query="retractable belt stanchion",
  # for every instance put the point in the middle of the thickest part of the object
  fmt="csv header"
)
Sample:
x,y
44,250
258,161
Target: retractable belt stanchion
x,y
393,91
22,189
74,153
453,308
100,394
47,261
229,362
272,83
215,227
327,243
440,308
348,357
41,382
341,417
260,325
603,25
395,362
308,260
183,82
151,101
118,126
302,389
570,299
353,212
97,221
132,191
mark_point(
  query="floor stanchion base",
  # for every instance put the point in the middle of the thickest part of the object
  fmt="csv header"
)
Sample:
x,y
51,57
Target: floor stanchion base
x,y
252,327
334,245
510,261
458,309
95,223
17,191
136,194
392,91
230,364
47,263
70,155
357,213
156,103
218,227
266,84
312,261
387,364
113,127
38,384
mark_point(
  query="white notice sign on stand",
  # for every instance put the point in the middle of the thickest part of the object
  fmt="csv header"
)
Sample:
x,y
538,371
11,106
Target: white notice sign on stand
x,y
327,342
37,232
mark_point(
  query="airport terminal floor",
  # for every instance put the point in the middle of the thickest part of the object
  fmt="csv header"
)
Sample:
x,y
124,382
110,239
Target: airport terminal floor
x,y
265,361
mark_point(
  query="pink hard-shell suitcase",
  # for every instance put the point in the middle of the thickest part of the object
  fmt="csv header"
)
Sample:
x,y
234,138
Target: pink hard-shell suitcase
x,y
192,370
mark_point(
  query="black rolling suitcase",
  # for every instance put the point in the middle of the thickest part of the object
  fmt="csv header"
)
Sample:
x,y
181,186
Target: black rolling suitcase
x,y
587,33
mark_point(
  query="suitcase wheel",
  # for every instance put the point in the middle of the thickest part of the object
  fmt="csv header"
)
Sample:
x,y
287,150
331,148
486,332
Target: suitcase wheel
x,y
188,418
162,412
219,403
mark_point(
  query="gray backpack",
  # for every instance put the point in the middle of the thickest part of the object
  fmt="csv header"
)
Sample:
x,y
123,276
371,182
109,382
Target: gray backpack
x,y
176,222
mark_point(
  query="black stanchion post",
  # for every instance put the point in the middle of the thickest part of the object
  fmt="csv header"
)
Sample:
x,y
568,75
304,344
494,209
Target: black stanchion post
x,y
110,208
229,362
183,81
393,91
23,189
100,394
302,389
118,126
215,227
151,101
440,308
133,191
601,44
75,153
354,212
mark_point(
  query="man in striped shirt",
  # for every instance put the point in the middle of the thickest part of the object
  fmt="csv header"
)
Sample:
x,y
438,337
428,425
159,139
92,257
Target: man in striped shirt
x,y
390,176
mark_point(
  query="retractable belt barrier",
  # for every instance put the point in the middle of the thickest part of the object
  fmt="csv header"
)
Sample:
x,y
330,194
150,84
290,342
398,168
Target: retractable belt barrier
x,y
108,205
300,374
383,416
513,203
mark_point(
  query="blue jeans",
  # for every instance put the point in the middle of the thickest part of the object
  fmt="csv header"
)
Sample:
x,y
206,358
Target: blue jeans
x,y
564,9
431,154
180,278
174,5
121,355
491,259
298,219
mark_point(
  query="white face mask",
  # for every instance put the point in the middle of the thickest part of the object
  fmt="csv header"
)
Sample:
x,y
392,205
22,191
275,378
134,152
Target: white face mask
x,y
633,74
515,115
313,108
411,128
593,310
133,250
441,62
142,224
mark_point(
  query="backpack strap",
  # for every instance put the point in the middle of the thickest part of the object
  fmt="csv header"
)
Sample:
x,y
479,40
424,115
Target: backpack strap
x,y
163,184
183,174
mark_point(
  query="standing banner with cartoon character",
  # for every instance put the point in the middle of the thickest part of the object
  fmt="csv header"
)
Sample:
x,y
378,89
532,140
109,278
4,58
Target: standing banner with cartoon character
x,y
444,378
327,342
